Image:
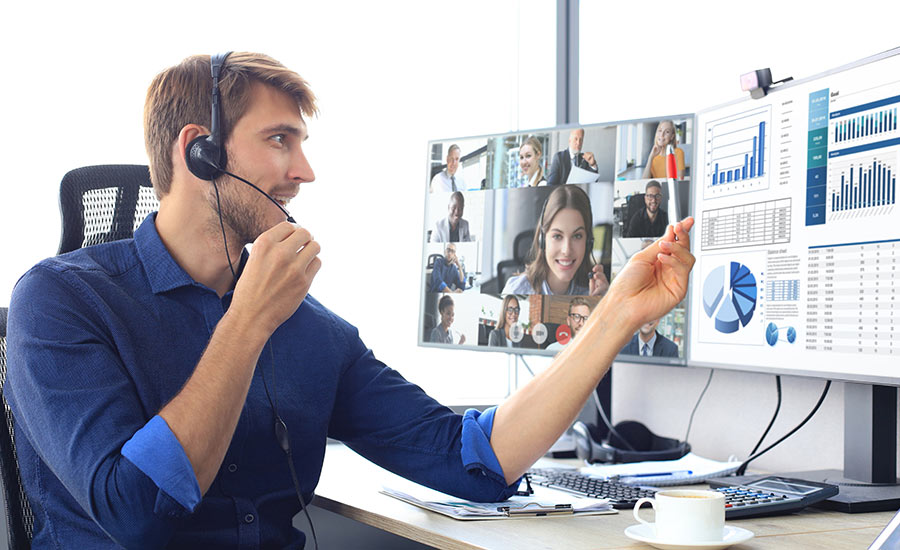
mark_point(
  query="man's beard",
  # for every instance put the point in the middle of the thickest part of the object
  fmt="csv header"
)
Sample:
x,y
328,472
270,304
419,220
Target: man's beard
x,y
244,220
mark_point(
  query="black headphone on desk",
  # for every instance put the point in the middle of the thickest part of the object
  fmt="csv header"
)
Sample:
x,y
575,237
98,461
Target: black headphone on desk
x,y
645,444
205,155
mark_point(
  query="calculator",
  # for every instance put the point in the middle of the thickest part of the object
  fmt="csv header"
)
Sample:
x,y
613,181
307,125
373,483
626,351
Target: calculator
x,y
771,495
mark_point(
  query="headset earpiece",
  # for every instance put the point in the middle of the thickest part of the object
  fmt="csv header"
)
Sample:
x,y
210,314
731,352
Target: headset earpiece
x,y
204,158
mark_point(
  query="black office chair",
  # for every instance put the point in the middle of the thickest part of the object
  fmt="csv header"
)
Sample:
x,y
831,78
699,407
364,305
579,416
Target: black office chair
x,y
105,203
635,204
98,204
508,268
19,517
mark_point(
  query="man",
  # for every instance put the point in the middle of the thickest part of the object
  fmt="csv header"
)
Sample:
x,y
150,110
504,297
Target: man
x,y
648,342
447,274
441,334
155,383
564,160
652,220
579,311
453,228
450,178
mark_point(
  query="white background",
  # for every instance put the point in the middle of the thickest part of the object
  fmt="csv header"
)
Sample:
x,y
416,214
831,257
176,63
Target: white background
x,y
391,76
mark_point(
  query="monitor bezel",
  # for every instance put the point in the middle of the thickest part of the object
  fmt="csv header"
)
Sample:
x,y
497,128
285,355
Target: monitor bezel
x,y
821,374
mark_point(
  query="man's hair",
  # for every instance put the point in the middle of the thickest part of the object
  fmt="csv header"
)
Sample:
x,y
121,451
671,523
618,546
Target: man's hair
x,y
653,183
459,197
452,148
182,95
444,303
578,301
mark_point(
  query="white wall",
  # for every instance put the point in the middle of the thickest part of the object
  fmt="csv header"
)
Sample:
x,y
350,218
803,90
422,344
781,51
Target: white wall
x,y
390,76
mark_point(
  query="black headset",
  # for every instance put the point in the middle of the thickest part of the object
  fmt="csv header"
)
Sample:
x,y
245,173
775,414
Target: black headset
x,y
646,445
205,155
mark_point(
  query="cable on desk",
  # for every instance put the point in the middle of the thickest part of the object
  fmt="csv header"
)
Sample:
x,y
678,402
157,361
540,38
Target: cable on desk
x,y
697,404
741,470
743,466
608,423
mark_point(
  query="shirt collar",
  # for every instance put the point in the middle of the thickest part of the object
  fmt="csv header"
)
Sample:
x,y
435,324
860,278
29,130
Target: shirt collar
x,y
545,288
163,272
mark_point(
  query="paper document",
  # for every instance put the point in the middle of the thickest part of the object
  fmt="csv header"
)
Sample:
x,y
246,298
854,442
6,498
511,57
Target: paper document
x,y
544,502
660,473
580,175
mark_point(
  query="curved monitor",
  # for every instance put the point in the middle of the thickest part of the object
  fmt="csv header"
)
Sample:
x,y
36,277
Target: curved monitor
x,y
524,232
798,241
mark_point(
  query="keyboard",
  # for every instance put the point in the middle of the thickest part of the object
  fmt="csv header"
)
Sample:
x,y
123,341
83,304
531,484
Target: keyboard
x,y
620,495
768,496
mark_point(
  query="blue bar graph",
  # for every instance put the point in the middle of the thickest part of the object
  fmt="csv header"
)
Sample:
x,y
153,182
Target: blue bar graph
x,y
753,162
735,155
864,185
864,125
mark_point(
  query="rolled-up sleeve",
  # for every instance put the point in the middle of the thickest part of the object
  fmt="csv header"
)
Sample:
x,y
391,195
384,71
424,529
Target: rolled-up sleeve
x,y
77,407
155,450
477,453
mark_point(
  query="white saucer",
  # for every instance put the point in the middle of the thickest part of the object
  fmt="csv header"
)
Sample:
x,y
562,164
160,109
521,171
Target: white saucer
x,y
647,533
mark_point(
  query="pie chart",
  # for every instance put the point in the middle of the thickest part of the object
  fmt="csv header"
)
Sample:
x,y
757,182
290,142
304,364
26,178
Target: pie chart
x,y
729,296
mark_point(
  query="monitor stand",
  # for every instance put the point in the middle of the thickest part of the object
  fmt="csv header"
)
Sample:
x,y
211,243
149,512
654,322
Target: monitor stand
x,y
868,482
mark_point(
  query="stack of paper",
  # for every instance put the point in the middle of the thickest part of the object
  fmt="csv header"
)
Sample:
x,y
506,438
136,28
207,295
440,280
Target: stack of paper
x,y
544,502
686,470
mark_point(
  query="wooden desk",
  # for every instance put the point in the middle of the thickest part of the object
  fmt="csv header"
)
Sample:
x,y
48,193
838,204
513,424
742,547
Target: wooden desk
x,y
362,502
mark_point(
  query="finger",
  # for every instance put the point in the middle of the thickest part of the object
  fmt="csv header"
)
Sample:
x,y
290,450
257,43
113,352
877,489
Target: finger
x,y
297,240
648,254
314,266
673,261
308,253
682,230
679,249
277,233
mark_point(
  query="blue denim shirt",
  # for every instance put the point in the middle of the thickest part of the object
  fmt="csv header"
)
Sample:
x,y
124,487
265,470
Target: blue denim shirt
x,y
102,338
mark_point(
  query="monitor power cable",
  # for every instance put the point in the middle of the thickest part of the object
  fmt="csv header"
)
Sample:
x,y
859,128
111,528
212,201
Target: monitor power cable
x,y
741,471
608,423
743,467
697,405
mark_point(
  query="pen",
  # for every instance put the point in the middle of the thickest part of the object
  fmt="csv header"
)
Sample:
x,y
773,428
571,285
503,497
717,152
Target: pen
x,y
535,509
658,474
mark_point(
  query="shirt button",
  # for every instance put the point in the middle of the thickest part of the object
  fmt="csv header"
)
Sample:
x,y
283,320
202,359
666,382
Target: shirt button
x,y
249,518
232,468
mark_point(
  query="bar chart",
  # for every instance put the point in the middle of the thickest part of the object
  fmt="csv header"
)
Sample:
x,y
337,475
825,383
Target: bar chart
x,y
867,123
873,124
862,186
737,153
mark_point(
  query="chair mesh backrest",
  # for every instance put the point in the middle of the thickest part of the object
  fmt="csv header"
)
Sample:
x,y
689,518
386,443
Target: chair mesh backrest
x,y
19,517
103,203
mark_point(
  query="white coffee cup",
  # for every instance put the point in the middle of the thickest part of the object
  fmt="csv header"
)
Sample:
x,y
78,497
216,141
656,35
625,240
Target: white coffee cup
x,y
686,516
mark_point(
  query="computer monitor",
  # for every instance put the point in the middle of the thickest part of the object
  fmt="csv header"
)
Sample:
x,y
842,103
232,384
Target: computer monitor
x,y
798,244
524,232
